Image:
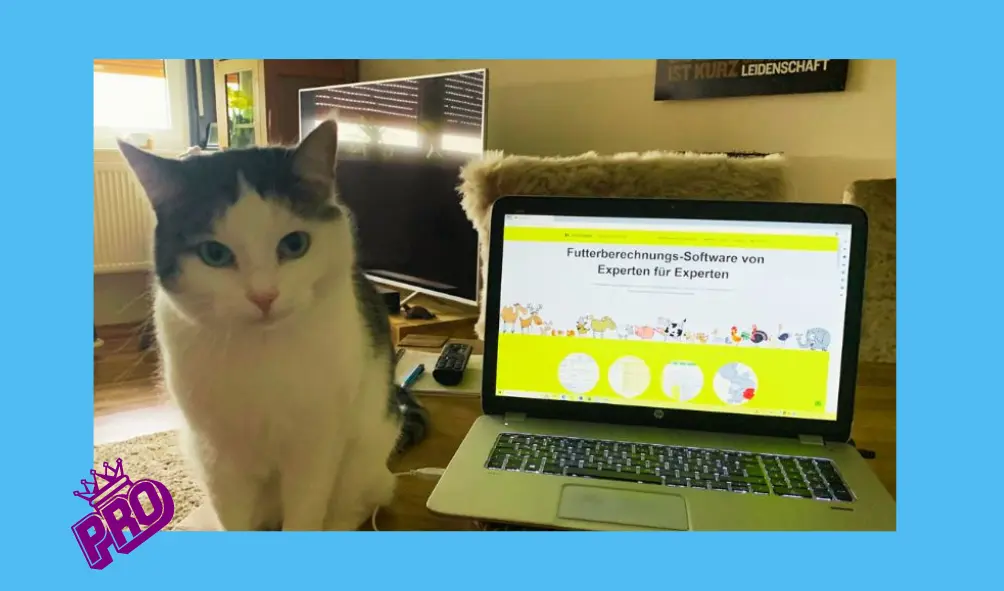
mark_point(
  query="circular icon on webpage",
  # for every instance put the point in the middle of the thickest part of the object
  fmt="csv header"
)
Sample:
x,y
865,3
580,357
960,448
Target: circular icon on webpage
x,y
735,383
578,373
629,376
682,380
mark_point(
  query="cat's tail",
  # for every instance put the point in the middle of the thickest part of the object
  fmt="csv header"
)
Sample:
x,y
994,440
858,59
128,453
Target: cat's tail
x,y
415,420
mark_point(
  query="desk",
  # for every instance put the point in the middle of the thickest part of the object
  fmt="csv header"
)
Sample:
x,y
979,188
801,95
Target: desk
x,y
452,416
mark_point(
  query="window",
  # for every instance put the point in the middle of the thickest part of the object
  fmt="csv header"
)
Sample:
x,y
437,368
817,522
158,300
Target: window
x,y
469,144
131,94
356,133
464,108
147,97
443,111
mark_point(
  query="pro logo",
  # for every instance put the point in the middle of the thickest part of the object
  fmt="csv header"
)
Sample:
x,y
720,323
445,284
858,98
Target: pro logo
x,y
118,508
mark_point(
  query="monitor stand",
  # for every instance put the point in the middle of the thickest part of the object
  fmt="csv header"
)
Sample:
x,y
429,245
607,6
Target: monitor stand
x,y
409,297
452,320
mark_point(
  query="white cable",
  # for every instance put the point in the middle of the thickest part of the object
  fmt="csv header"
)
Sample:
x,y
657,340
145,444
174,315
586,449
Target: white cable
x,y
426,473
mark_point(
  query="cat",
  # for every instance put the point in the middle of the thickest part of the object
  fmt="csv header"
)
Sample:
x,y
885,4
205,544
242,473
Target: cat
x,y
274,345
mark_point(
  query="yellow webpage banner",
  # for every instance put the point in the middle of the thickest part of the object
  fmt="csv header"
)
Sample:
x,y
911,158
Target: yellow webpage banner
x,y
668,238
787,382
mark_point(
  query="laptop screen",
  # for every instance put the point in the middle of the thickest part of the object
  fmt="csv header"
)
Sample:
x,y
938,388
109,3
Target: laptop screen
x,y
701,315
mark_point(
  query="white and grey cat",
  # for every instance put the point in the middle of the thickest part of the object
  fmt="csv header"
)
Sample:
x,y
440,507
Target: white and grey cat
x,y
273,343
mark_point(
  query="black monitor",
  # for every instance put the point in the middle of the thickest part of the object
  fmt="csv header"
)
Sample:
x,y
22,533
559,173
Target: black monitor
x,y
402,144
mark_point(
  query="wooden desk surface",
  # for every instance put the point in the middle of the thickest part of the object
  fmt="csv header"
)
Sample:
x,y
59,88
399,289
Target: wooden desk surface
x,y
452,416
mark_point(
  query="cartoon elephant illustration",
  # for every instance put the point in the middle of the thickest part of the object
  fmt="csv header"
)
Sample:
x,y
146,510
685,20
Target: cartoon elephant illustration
x,y
814,339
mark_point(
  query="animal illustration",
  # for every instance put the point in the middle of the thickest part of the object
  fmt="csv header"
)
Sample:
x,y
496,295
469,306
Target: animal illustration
x,y
547,328
582,325
644,332
782,336
741,383
734,335
561,332
703,337
758,336
662,327
671,330
530,318
814,339
625,331
510,315
600,326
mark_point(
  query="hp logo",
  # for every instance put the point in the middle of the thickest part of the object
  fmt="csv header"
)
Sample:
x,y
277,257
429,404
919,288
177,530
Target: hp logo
x,y
658,414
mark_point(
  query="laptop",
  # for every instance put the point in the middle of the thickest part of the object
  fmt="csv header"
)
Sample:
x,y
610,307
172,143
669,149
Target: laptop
x,y
660,364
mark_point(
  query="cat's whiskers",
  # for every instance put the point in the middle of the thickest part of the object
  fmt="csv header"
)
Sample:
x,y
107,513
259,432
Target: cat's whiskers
x,y
127,371
143,354
147,294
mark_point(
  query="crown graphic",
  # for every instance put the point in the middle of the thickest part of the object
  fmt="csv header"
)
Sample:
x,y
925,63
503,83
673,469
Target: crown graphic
x,y
104,486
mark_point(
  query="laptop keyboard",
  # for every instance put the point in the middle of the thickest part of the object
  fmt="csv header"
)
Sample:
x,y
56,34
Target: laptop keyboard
x,y
665,465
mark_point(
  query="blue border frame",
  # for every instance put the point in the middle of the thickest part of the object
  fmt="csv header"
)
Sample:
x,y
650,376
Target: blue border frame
x,y
949,222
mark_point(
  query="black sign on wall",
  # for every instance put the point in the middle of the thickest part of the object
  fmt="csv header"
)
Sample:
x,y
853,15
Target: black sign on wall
x,y
696,79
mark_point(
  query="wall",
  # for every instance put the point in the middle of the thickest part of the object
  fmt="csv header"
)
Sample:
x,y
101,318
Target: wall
x,y
564,107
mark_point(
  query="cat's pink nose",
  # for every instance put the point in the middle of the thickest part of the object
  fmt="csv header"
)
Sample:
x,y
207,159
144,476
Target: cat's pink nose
x,y
263,299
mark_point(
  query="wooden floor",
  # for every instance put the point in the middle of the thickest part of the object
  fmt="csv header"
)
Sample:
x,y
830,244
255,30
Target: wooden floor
x,y
127,401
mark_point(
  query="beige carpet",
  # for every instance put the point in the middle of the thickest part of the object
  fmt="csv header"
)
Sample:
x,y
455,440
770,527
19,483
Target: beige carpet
x,y
156,457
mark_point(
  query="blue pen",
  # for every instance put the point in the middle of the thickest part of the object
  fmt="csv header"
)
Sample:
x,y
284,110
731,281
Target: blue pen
x,y
413,376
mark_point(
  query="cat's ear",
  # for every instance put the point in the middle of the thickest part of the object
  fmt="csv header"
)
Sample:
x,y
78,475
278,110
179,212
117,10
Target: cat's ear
x,y
155,173
314,159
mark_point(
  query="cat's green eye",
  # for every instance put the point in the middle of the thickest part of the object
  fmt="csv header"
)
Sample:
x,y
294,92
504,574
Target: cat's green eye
x,y
293,246
216,254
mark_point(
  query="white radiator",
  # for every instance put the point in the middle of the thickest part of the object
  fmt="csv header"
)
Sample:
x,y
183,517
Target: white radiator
x,y
123,218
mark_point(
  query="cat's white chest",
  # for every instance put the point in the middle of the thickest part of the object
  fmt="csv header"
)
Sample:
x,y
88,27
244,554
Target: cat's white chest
x,y
261,390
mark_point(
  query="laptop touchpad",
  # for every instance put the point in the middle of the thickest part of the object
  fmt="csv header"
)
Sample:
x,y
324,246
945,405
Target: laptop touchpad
x,y
623,507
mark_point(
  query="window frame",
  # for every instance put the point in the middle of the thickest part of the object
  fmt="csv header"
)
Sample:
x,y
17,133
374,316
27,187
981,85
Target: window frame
x,y
175,138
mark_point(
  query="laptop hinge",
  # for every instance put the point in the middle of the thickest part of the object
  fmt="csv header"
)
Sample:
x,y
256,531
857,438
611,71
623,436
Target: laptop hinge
x,y
515,417
811,440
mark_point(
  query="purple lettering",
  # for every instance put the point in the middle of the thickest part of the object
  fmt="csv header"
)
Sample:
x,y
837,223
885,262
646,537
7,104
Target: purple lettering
x,y
94,541
118,515
161,504
97,532
133,514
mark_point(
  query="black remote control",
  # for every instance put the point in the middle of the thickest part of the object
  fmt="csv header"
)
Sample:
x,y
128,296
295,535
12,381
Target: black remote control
x,y
452,362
